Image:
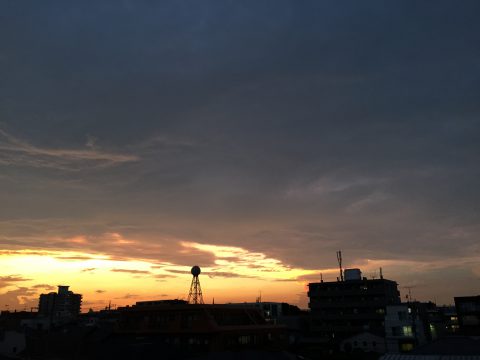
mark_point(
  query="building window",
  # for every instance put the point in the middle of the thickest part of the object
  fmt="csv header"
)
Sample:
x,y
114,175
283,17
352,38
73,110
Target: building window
x,y
407,331
244,339
406,347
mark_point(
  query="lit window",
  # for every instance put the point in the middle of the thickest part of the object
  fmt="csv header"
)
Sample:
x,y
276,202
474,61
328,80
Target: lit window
x,y
407,331
244,339
406,347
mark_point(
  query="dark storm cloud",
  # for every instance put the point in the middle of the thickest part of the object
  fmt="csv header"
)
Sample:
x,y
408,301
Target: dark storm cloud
x,y
293,129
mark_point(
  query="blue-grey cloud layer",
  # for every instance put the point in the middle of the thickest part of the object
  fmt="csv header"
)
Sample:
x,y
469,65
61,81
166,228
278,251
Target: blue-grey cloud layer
x,y
284,127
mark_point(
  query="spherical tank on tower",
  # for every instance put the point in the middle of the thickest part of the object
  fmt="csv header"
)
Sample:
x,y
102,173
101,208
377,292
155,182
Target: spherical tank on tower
x,y
196,270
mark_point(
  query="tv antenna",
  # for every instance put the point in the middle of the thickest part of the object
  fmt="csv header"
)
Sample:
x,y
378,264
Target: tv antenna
x,y
409,288
339,258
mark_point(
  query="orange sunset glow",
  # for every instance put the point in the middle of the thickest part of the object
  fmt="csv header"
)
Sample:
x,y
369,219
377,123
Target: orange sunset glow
x,y
253,139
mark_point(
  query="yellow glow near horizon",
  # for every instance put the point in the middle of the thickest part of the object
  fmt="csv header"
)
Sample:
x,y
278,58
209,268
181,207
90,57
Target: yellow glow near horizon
x,y
236,275
254,264
27,273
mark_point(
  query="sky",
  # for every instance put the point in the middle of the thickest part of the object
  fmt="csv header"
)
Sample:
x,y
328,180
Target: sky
x,y
252,138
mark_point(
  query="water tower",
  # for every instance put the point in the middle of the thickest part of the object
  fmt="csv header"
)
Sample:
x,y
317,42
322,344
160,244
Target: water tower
x,y
195,294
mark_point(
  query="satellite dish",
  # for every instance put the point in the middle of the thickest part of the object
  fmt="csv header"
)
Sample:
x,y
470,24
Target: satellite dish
x,y
196,270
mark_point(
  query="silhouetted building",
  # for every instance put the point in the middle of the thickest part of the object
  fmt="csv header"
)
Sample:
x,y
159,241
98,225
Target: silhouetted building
x,y
449,321
341,309
61,306
273,312
364,342
196,328
445,348
468,312
406,327
12,334
292,317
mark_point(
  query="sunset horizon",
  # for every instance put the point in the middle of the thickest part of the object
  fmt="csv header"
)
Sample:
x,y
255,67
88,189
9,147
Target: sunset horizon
x,y
138,139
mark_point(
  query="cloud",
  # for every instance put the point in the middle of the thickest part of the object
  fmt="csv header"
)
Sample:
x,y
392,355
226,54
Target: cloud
x,y
332,184
18,152
89,269
76,257
131,271
23,252
19,299
100,291
44,286
11,280
293,147
163,276
102,242
223,274
128,296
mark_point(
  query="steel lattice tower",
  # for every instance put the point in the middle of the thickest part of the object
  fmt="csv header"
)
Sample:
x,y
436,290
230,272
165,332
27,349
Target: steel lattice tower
x,y
195,294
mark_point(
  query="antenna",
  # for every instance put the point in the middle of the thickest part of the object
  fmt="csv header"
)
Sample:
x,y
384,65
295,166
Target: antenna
x,y
195,294
321,277
381,274
339,258
259,298
409,296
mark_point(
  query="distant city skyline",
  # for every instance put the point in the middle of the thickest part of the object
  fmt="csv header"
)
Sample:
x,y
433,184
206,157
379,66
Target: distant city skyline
x,y
254,139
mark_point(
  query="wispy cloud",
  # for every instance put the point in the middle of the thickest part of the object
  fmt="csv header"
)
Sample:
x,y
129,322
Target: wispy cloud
x,y
11,280
232,261
44,286
130,271
127,296
333,184
163,276
18,298
79,258
19,152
